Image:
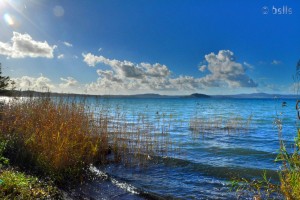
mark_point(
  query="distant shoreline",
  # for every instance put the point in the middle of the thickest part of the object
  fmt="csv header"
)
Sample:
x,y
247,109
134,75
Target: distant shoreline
x,y
158,96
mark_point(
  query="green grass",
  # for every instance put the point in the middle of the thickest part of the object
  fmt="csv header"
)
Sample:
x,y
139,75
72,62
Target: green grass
x,y
290,172
261,188
17,185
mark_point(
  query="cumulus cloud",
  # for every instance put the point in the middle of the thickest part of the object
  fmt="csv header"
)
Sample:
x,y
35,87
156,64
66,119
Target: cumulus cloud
x,y
127,69
68,44
30,83
68,82
225,71
22,45
61,56
124,76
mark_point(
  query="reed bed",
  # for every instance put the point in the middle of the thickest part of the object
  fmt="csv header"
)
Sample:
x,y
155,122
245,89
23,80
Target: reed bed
x,y
136,139
61,137
55,137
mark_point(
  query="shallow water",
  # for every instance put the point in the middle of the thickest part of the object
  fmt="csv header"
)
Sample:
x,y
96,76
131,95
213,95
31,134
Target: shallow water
x,y
210,158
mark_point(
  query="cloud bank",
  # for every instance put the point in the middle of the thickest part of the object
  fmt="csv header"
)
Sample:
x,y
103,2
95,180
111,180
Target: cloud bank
x,y
30,83
43,83
68,82
224,72
126,75
220,71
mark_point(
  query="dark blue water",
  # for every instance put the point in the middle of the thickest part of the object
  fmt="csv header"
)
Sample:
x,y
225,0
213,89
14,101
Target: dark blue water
x,y
209,157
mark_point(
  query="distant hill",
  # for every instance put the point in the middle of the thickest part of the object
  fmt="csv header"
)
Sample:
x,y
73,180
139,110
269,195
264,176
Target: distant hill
x,y
257,96
197,95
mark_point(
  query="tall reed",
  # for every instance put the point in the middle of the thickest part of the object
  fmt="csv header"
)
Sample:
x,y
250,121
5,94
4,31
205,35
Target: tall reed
x,y
61,137
57,138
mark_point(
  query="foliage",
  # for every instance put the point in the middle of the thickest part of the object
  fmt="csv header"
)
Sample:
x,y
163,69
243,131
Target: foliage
x,y
17,185
3,160
261,188
290,170
5,82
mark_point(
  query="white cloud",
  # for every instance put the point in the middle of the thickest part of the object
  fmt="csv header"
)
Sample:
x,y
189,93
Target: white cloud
x,y
30,83
128,77
61,56
68,44
276,62
22,45
42,83
68,82
91,60
128,69
202,68
225,71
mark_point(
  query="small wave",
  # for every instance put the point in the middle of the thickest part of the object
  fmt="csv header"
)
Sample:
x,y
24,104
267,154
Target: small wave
x,y
220,171
98,173
124,186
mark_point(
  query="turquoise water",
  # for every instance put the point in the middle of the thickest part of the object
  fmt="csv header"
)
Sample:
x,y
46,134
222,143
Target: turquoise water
x,y
210,157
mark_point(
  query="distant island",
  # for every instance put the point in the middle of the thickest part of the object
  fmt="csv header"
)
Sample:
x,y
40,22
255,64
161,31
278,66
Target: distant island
x,y
30,93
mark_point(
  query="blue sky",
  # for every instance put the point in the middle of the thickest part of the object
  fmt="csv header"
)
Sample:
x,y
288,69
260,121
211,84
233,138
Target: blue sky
x,y
157,46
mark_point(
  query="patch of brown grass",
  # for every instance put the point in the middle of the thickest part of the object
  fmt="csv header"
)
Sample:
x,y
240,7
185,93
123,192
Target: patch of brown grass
x,y
58,137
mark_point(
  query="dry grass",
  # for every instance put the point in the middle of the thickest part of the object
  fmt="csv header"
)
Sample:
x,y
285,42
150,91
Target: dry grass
x,y
61,137
57,137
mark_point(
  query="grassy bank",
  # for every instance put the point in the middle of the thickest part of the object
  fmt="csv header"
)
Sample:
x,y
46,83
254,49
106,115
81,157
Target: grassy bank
x,y
18,185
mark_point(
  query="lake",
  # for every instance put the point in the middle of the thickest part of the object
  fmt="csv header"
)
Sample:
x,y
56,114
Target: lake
x,y
212,141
